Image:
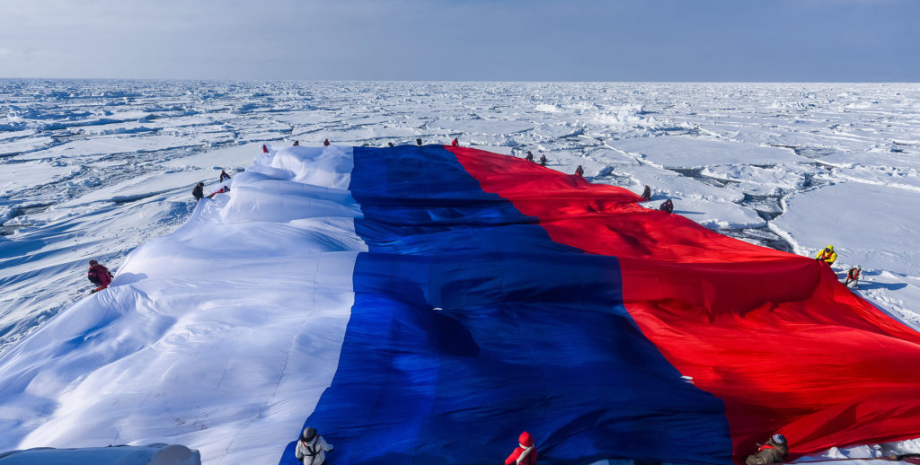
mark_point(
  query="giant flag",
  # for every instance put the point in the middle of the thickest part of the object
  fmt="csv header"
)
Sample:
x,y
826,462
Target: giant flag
x,y
497,296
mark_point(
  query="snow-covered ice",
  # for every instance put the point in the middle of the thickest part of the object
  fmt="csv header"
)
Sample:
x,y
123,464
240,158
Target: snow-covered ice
x,y
692,152
154,454
94,169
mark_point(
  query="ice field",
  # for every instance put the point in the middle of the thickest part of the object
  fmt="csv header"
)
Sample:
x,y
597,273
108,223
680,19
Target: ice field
x,y
94,169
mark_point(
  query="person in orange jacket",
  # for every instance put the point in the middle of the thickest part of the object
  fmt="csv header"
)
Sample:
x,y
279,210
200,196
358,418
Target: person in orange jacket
x,y
827,255
525,453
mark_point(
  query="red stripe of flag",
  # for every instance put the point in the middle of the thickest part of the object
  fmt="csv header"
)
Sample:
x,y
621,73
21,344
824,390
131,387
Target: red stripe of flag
x,y
774,335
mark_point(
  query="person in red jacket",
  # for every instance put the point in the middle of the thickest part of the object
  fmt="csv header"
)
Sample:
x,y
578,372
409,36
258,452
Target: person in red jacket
x,y
455,143
525,453
99,275
223,190
853,277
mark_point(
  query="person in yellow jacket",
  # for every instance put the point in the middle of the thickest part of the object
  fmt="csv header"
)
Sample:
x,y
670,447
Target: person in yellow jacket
x,y
827,255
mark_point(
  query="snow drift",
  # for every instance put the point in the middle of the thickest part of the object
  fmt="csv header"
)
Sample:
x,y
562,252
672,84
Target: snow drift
x,y
221,335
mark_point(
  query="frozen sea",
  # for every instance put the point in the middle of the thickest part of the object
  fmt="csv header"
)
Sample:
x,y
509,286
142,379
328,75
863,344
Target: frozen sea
x,y
94,169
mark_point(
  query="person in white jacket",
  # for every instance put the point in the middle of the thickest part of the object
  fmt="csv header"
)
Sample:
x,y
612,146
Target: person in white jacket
x,y
312,448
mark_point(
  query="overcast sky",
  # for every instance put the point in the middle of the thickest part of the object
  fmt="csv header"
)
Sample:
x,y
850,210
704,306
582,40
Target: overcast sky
x,y
533,40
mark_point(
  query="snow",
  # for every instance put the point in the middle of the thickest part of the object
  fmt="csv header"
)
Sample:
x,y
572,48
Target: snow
x,y
104,169
686,152
229,157
15,178
119,144
154,454
891,176
138,187
12,146
481,127
59,214
822,216
758,180
222,334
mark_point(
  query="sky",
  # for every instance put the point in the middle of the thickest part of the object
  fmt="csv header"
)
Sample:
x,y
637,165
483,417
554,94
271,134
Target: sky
x,y
457,40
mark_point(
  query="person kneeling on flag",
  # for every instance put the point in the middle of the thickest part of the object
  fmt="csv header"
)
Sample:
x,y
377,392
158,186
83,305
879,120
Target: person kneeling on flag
x,y
827,255
525,453
853,277
312,448
774,451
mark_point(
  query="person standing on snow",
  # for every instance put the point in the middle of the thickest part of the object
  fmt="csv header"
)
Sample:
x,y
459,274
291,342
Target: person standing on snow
x,y
419,142
312,448
326,143
525,453
542,160
827,255
224,176
529,156
774,451
99,275
579,171
455,143
198,191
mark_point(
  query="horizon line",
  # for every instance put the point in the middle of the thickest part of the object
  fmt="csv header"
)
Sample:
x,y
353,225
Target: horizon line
x,y
177,79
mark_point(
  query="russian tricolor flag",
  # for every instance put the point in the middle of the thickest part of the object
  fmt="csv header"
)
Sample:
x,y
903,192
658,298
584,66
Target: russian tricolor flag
x,y
497,296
